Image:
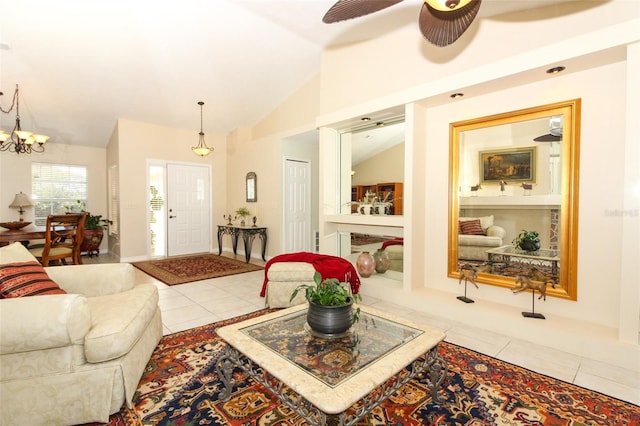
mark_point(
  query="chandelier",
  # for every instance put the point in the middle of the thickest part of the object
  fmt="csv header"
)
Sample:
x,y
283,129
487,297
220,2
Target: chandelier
x,y
202,149
20,141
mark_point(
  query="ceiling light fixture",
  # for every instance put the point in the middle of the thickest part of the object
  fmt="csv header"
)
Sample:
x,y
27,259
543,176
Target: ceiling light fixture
x,y
20,141
555,70
202,149
447,5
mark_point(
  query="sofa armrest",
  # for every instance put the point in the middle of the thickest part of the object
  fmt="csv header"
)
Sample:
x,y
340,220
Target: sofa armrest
x,y
495,231
94,280
41,322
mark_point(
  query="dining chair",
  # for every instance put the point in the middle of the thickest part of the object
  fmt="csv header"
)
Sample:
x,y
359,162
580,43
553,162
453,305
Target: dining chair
x,y
63,239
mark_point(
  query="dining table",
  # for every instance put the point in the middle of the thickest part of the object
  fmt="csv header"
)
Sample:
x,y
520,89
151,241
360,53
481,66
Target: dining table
x,y
23,235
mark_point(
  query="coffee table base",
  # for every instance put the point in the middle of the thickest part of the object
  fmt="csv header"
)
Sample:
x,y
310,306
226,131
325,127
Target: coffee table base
x,y
433,365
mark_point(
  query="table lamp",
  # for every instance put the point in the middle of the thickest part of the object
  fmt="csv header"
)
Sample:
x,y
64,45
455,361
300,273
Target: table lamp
x,y
19,202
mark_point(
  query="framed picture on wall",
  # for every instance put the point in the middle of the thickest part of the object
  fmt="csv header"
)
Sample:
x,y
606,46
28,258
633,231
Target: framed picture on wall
x,y
509,165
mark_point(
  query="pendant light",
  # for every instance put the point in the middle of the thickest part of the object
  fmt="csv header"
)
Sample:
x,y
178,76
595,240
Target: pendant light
x,y
202,149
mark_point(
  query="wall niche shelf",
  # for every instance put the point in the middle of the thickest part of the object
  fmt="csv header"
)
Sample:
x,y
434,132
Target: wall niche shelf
x,y
512,202
365,219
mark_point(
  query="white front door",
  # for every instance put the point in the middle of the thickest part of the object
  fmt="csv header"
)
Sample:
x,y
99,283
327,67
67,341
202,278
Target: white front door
x,y
188,209
297,206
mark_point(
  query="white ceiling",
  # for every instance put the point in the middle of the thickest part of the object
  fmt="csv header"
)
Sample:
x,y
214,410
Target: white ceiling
x,y
81,64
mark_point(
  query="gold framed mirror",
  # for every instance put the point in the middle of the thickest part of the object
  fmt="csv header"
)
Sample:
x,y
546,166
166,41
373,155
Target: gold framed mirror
x,y
514,172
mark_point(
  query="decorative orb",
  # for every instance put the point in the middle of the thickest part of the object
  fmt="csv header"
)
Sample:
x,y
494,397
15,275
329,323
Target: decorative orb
x,y
383,262
365,264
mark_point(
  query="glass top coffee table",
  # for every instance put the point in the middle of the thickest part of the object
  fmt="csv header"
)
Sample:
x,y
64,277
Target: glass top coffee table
x,y
336,379
542,257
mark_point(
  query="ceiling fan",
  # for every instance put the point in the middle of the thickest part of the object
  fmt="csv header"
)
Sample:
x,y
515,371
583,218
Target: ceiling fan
x,y
441,21
555,131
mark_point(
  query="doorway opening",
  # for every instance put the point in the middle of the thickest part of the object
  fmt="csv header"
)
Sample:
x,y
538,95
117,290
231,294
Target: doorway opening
x,y
179,209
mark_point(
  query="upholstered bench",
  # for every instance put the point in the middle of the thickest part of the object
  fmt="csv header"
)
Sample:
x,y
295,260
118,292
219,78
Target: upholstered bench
x,y
283,278
285,272
396,256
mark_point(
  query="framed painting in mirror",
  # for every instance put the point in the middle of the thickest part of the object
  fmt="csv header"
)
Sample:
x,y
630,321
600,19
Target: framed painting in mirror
x,y
508,165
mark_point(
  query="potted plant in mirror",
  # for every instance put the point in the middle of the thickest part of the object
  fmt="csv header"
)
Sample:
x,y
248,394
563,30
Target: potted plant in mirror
x,y
243,212
330,305
94,227
527,240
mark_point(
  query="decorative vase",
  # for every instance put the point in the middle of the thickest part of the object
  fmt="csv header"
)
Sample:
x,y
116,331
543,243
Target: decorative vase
x,y
91,239
365,209
528,245
330,319
365,264
381,257
242,222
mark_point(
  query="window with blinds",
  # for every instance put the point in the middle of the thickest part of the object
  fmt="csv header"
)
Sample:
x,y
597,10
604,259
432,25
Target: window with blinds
x,y
57,189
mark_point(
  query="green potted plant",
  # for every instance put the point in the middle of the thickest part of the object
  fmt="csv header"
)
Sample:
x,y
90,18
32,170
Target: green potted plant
x,y
527,240
330,305
243,212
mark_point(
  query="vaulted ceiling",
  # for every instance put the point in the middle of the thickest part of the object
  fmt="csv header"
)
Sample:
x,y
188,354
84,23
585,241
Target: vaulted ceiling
x,y
81,65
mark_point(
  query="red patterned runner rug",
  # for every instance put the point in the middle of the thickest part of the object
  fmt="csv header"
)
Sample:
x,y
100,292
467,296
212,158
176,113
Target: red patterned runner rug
x,y
180,387
180,270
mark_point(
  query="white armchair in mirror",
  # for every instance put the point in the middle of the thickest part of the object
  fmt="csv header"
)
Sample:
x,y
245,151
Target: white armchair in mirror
x,y
477,235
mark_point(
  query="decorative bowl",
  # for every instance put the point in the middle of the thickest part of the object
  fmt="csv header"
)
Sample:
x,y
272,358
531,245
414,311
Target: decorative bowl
x,y
14,226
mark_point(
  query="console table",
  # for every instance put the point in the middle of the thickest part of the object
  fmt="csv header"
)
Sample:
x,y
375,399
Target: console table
x,y
248,234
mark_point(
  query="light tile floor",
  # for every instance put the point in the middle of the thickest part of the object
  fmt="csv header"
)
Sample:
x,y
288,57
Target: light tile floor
x,y
193,304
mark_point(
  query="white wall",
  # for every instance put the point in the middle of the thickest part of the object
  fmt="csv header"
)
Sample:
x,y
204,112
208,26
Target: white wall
x,y
15,176
602,90
388,166
592,40
138,142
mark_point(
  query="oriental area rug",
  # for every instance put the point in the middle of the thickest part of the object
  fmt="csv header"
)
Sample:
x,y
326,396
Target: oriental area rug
x,y
180,387
180,270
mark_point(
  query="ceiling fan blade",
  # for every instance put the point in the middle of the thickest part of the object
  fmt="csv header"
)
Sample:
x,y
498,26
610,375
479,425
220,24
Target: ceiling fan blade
x,y
443,28
348,9
548,138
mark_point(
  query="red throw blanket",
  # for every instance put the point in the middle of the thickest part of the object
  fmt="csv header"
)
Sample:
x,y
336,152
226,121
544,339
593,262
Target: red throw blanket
x,y
395,241
328,266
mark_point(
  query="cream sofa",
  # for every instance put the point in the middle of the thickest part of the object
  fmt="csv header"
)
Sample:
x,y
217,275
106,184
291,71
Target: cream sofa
x,y
78,357
474,247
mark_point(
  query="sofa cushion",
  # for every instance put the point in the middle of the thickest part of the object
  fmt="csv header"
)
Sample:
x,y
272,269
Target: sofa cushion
x,y
118,320
470,227
26,279
485,221
479,240
15,252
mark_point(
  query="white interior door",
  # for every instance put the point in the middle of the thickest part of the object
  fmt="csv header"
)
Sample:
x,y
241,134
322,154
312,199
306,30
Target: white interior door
x,y
297,208
188,209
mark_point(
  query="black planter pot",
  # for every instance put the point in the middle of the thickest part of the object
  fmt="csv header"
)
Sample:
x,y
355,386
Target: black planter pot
x,y
529,245
330,319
